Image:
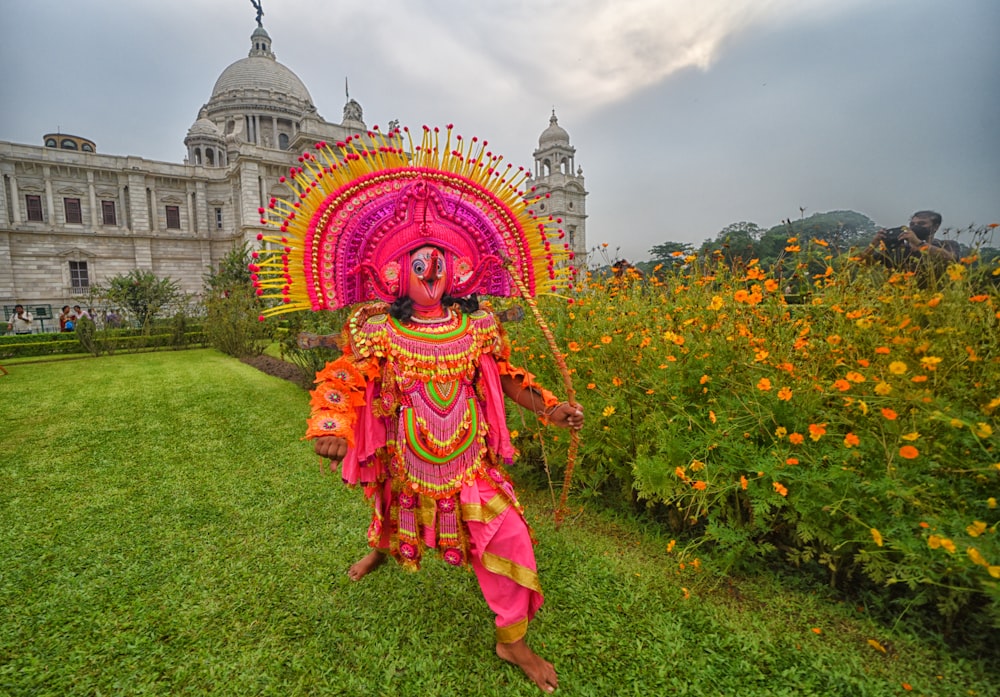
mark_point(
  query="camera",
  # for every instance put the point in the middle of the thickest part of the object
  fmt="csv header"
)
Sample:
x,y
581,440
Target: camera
x,y
891,237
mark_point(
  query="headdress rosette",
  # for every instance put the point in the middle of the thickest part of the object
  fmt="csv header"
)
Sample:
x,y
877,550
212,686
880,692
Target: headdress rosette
x,y
357,209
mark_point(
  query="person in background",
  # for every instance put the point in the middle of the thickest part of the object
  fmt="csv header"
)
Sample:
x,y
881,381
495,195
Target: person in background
x,y
21,322
81,314
67,320
905,248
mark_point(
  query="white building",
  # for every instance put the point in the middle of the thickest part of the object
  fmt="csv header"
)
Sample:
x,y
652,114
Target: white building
x,y
72,217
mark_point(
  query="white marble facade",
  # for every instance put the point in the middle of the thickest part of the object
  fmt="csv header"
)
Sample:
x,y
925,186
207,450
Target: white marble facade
x,y
72,218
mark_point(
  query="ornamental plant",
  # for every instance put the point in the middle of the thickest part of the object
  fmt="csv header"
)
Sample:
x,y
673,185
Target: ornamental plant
x,y
853,430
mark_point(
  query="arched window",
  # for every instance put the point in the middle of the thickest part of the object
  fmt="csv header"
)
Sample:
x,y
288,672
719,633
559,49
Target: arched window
x,y
283,141
87,147
210,157
50,142
68,144
197,156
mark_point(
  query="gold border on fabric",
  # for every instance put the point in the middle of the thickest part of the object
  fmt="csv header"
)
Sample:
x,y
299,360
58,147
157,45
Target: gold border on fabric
x,y
485,512
512,632
521,575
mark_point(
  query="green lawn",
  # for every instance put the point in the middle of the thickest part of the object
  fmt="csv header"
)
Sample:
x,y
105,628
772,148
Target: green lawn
x,y
164,531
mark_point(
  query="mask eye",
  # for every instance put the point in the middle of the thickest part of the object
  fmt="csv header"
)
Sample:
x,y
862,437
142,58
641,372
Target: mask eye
x,y
419,266
440,266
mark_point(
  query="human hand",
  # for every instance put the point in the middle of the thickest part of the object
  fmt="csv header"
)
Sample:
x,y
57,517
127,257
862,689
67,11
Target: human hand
x,y
566,415
911,239
333,448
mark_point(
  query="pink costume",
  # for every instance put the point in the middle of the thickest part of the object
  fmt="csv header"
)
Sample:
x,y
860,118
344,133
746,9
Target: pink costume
x,y
425,409
420,402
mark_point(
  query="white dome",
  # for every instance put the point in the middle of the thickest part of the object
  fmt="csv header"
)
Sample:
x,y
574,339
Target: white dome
x,y
554,134
204,127
261,73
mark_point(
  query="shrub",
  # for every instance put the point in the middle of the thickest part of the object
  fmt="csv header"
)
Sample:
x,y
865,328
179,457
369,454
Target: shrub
x,y
853,431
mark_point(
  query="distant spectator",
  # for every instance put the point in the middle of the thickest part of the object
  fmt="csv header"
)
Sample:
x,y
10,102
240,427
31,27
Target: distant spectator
x,y
904,248
81,314
21,321
112,319
67,320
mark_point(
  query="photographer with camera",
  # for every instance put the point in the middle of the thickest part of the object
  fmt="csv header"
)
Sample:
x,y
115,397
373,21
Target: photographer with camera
x,y
904,248
21,321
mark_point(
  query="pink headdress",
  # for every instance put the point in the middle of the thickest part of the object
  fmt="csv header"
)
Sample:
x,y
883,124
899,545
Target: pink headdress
x,y
354,218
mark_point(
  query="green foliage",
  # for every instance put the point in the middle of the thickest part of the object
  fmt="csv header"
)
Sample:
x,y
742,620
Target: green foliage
x,y
104,341
310,361
233,309
143,293
853,432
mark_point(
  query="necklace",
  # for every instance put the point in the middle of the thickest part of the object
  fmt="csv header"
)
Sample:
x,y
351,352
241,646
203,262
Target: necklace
x,y
432,320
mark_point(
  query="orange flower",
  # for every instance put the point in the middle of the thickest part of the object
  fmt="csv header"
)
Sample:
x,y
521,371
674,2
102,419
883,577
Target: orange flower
x,y
792,461
908,452
979,298
876,536
918,378
771,285
817,630
764,384
889,413
816,431
699,485
780,489
743,482
591,385
851,440
711,416
616,381
855,376
606,339
704,379
842,385
573,346
796,439
784,394
679,471
882,350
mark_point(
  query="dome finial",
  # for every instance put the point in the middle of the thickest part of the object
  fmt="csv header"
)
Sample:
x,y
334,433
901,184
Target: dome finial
x,y
260,11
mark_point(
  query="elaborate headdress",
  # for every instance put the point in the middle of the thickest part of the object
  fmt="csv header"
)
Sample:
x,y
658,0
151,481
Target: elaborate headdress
x,y
354,217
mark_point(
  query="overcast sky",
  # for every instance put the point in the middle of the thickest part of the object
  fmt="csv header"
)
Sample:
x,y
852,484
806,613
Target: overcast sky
x,y
686,116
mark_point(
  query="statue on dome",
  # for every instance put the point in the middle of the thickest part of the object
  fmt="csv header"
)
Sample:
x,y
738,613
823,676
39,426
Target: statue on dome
x,y
260,11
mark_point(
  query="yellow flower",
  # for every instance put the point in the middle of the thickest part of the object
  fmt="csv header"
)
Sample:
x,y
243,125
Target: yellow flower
x,y
955,423
976,557
991,502
608,411
911,436
883,388
956,272
930,362
697,466
877,536
897,367
993,404
994,571
977,528
983,430
781,432
854,376
716,304
711,416
616,381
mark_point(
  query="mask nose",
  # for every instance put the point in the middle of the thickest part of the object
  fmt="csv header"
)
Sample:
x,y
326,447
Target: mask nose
x,y
431,272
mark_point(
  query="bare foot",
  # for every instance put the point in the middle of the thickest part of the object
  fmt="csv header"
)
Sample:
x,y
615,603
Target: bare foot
x,y
366,564
540,671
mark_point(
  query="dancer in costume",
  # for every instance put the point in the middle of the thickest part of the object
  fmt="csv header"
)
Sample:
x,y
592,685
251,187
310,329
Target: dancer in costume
x,y
414,408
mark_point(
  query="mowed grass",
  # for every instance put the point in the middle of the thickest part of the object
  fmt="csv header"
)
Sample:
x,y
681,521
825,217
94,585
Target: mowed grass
x,y
164,531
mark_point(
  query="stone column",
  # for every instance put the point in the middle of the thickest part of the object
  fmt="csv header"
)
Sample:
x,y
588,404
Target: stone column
x,y
15,199
95,214
49,201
